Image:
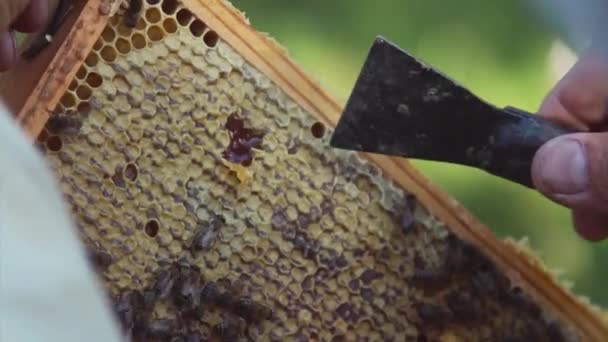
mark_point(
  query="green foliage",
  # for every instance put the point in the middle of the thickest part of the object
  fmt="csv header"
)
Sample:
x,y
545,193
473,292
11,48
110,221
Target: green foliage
x,y
499,49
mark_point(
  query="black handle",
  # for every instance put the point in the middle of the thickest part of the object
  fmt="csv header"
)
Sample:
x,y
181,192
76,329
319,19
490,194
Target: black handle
x,y
515,142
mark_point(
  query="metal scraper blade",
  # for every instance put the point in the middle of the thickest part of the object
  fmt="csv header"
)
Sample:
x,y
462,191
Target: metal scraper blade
x,y
401,106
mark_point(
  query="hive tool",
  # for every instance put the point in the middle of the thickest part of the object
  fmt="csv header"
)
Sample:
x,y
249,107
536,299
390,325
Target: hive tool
x,y
401,106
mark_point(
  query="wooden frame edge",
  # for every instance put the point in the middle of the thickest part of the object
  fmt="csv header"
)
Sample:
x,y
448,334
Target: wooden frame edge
x,y
69,56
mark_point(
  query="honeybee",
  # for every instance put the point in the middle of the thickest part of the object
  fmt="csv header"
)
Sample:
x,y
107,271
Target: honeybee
x,y
463,257
484,282
517,298
230,328
100,259
407,219
309,249
149,297
164,283
62,123
118,177
205,237
430,277
463,306
210,292
186,290
228,293
433,314
131,311
203,240
160,329
251,311
182,283
133,13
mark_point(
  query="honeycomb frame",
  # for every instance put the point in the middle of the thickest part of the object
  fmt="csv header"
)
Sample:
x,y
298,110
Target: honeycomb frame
x,y
269,69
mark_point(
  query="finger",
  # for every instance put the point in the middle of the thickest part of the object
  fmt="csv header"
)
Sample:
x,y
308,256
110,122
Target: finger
x,y
8,50
553,110
33,18
573,170
583,92
9,11
591,226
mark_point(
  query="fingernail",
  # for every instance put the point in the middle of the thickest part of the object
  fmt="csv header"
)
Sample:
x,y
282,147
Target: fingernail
x,y
564,169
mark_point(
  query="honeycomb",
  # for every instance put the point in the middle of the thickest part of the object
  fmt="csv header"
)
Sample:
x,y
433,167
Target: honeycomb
x,y
304,243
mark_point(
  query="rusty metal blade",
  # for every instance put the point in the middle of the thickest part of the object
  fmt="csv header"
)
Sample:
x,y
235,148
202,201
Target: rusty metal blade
x,y
403,107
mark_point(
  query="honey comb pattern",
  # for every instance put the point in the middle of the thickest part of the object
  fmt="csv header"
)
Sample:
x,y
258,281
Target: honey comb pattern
x,y
315,234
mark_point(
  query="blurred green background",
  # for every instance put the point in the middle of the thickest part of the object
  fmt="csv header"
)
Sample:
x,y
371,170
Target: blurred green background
x,y
499,49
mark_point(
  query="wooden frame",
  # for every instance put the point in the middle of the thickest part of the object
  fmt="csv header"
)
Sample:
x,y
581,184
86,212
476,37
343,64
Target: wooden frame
x,y
33,89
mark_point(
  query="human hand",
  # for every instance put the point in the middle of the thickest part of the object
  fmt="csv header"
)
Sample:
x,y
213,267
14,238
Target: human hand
x,y
573,169
25,16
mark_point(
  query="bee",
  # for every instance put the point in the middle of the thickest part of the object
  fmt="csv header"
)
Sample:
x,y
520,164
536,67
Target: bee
x,y
192,312
251,311
131,312
433,314
484,282
430,277
223,293
160,329
518,299
164,283
205,237
308,248
100,259
183,265
369,275
118,177
230,328
183,283
149,297
555,332
186,290
124,311
462,256
487,281
407,220
62,123
133,13
293,146
194,337
464,307
203,240
532,331
210,293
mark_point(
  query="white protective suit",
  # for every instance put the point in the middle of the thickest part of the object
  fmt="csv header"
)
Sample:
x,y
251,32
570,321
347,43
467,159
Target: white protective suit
x,y
48,292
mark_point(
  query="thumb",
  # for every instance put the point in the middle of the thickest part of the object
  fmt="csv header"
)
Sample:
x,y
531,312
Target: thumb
x,y
573,170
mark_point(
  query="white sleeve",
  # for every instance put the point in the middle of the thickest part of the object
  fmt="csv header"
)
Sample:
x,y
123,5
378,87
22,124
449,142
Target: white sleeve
x,y
48,292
